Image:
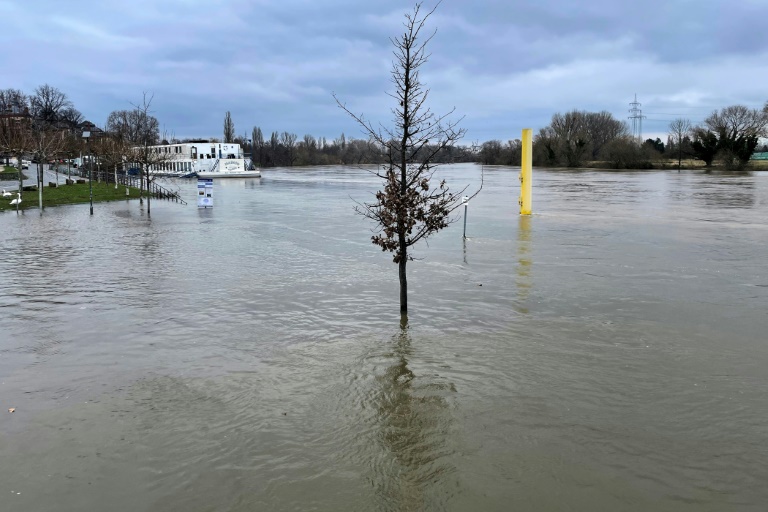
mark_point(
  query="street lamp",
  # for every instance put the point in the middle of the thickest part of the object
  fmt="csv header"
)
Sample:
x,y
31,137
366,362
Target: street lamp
x,y
86,136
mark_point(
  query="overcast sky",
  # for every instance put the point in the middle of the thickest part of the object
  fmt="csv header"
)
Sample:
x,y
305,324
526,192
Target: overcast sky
x,y
503,65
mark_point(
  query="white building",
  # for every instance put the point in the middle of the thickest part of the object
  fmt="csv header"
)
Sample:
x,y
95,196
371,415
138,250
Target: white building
x,y
206,159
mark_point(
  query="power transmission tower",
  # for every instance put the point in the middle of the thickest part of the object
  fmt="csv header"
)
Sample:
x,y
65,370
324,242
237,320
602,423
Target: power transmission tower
x,y
637,120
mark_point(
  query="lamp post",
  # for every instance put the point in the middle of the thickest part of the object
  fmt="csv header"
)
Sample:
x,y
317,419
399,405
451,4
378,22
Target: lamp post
x,y
86,136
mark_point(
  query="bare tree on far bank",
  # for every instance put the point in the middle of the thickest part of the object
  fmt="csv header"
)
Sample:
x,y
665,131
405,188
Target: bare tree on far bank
x,y
410,207
288,141
229,128
679,130
577,136
257,146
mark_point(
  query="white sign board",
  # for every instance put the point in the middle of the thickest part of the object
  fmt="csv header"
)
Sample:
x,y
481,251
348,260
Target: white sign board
x,y
205,193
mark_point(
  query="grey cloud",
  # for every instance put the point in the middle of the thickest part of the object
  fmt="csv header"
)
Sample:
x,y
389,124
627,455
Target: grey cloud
x,y
275,64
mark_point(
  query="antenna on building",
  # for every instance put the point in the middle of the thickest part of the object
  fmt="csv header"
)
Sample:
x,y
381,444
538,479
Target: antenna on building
x,y
637,120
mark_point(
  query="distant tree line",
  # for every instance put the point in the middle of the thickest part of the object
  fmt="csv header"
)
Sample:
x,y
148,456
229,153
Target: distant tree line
x,y
286,149
729,135
578,138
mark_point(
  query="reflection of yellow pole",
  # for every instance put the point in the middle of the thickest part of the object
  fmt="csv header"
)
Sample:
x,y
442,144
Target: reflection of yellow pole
x,y
526,173
524,261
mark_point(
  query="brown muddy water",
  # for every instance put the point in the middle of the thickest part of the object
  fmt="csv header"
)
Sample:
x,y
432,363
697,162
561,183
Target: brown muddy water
x,y
607,353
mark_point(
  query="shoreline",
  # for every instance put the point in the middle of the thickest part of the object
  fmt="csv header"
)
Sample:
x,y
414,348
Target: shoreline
x,y
77,193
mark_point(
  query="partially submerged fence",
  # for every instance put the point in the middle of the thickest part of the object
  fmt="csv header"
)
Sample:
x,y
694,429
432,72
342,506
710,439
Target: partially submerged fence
x,y
124,178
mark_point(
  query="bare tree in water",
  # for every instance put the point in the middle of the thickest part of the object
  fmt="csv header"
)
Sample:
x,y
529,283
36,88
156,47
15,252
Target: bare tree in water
x,y
411,206
141,132
15,128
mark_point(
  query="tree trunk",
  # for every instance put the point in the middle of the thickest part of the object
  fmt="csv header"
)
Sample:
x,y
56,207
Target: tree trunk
x,y
403,279
406,117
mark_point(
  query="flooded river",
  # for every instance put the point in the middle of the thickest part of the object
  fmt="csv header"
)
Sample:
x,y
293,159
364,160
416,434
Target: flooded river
x,y
607,353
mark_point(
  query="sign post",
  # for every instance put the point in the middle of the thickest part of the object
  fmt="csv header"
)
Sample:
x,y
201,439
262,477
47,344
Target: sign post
x,y
205,193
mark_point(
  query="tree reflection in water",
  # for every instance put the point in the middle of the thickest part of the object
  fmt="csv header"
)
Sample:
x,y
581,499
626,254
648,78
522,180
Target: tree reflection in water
x,y
414,428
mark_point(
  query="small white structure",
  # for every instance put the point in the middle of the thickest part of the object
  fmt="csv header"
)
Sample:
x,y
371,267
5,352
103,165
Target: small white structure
x,y
206,160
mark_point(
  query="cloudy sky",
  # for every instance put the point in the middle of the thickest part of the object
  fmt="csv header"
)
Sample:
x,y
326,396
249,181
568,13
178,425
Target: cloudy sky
x,y
504,65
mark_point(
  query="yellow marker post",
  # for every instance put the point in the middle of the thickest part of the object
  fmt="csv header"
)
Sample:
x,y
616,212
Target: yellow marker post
x,y
526,173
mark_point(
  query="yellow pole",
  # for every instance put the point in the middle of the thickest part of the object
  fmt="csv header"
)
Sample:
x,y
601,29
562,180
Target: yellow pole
x,y
526,173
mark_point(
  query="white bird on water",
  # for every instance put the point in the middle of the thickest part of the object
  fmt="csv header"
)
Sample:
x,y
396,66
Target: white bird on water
x,y
6,193
17,200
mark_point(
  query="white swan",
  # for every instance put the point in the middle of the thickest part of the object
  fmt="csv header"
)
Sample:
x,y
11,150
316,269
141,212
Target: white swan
x,y
6,193
17,200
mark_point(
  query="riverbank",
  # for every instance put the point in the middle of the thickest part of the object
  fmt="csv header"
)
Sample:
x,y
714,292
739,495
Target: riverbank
x,y
672,165
77,193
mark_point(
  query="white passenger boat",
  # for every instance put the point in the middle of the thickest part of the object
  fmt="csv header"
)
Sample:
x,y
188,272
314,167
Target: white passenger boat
x,y
228,168
205,160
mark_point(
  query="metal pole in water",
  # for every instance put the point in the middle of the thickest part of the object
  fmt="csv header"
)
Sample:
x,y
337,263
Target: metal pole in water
x,y
465,200
526,173
465,220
